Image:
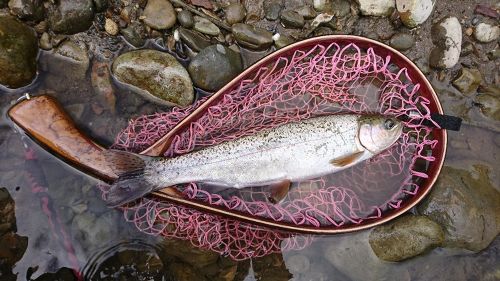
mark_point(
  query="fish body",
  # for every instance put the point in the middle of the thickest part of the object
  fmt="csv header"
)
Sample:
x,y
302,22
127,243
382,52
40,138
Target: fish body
x,y
291,152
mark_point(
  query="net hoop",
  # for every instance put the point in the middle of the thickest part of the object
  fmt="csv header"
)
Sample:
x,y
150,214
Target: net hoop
x,y
380,49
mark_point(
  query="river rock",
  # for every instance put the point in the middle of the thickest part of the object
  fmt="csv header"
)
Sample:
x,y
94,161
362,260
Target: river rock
x,y
27,9
319,5
414,12
281,40
111,27
486,33
73,58
405,237
216,57
307,12
193,39
159,14
252,37
18,52
467,80
45,43
272,9
489,105
402,41
341,8
185,19
235,13
447,38
205,26
466,205
155,75
292,19
132,33
71,16
376,8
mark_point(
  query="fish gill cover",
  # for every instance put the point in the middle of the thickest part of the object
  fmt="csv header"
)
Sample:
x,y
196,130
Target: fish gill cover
x,y
310,81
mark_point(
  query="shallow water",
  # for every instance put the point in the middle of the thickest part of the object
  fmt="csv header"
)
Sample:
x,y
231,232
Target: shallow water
x,y
68,226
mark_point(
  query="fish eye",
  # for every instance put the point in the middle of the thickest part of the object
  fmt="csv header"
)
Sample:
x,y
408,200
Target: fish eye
x,y
389,124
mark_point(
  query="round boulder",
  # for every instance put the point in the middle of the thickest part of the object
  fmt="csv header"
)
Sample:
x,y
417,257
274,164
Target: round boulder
x,y
18,52
155,75
405,237
466,205
71,16
214,67
447,38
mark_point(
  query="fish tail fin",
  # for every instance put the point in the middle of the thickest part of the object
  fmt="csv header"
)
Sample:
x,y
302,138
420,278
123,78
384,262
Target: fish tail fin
x,y
131,183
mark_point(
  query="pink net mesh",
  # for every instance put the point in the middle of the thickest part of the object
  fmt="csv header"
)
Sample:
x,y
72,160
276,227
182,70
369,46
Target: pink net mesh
x,y
313,81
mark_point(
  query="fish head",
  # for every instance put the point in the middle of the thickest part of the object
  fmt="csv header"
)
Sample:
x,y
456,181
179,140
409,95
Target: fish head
x,y
377,133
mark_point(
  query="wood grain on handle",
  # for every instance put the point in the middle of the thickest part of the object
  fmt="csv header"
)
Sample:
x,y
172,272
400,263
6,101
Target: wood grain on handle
x,y
44,120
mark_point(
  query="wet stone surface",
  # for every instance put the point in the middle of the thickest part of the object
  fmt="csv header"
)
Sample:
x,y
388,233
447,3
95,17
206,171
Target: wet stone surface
x,y
71,16
159,14
467,206
155,75
18,51
226,61
405,237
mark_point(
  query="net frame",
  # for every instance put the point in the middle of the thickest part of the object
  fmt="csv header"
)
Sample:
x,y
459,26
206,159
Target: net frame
x,y
181,121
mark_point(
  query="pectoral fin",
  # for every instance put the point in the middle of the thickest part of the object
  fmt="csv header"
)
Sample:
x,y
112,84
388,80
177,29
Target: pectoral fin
x,y
346,160
279,190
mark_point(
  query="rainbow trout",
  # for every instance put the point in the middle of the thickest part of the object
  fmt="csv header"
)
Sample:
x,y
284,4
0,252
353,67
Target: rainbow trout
x,y
276,157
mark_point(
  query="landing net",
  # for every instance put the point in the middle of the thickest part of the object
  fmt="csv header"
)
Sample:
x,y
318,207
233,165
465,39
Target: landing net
x,y
312,81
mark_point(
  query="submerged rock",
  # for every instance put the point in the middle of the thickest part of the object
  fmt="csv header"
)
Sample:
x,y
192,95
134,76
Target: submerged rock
x,y
193,39
466,205
18,52
205,26
71,57
225,61
71,16
27,9
489,104
376,8
155,75
467,80
292,19
414,12
281,40
405,237
132,33
159,14
252,37
447,38
486,33
235,13
185,19
272,9
307,12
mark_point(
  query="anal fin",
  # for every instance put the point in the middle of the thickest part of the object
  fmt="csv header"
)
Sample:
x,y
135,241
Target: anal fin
x,y
347,159
279,190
